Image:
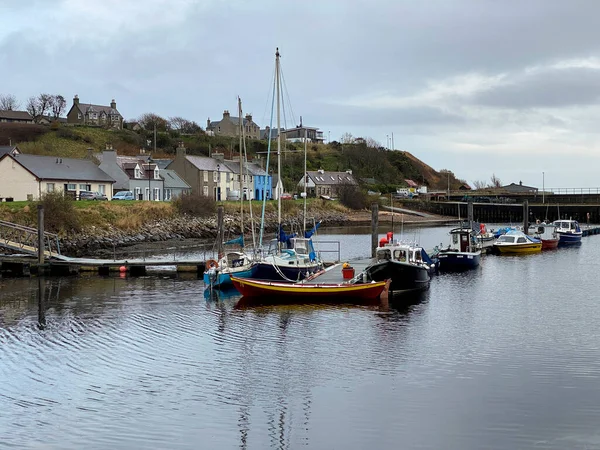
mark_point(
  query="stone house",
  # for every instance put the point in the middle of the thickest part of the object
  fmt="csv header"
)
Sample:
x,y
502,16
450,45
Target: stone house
x,y
95,115
27,177
230,126
321,182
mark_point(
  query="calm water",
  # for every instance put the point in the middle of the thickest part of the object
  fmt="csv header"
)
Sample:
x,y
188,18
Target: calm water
x,y
504,357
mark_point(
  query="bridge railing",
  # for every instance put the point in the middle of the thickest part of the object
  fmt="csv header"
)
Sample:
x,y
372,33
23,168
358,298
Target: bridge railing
x,y
15,236
571,191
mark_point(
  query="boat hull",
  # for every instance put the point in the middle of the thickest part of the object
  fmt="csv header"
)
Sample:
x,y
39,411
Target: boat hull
x,y
532,247
548,244
454,261
405,277
321,292
268,271
223,279
569,238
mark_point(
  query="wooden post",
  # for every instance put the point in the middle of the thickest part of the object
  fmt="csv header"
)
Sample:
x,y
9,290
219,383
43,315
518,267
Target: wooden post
x,y
374,227
470,219
525,216
220,234
40,234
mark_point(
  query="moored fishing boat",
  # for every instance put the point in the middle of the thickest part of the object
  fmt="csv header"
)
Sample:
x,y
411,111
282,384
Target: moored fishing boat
x,y
462,253
236,263
406,264
546,232
515,241
341,292
568,231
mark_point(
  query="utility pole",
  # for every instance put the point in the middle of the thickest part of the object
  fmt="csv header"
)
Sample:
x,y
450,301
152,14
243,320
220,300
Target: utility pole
x,y
543,188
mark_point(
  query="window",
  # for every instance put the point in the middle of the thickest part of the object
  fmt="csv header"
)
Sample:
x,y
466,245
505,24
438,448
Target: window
x,y
138,173
167,195
79,116
71,187
227,177
49,187
156,195
83,187
205,191
138,193
156,174
102,188
146,194
206,175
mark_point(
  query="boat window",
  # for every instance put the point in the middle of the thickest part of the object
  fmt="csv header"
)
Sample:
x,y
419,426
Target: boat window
x,y
507,239
384,254
418,257
521,240
301,247
400,255
455,238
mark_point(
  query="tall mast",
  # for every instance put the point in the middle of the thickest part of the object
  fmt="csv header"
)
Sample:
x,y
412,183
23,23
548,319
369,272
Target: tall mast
x,y
278,87
241,123
305,151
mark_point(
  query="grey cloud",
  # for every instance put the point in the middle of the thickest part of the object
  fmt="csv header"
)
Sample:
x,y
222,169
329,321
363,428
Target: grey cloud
x,y
552,88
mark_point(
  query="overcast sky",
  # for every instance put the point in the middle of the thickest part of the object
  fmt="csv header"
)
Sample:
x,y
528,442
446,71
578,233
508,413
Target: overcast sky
x,y
479,87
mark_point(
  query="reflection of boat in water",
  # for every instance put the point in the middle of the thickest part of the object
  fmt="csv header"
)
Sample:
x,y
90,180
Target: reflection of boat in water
x,y
326,292
515,241
222,293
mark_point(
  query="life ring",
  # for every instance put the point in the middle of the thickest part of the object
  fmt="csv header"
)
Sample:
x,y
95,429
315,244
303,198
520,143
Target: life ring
x,y
212,263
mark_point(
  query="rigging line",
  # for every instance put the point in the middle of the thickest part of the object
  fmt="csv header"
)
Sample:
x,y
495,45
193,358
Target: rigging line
x,y
262,218
268,97
285,89
249,195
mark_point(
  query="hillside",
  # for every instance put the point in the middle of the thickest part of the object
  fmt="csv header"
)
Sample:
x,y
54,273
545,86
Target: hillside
x,y
388,168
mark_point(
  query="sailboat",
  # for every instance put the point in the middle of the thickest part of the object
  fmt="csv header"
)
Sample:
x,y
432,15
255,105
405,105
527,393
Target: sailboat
x,y
236,263
288,257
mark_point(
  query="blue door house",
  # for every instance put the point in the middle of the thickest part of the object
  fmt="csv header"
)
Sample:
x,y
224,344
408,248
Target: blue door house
x,y
262,182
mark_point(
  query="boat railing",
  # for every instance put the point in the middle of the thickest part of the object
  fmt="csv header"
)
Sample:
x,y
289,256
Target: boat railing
x,y
334,247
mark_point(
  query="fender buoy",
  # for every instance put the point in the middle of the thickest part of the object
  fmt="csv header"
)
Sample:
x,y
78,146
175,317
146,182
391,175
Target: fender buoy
x,y
482,227
212,263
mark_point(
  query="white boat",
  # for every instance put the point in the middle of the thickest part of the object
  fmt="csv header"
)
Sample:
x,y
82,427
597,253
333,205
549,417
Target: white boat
x,y
568,231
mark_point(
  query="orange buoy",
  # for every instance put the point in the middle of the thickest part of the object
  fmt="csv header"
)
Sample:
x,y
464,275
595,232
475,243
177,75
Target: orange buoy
x,y
212,263
122,269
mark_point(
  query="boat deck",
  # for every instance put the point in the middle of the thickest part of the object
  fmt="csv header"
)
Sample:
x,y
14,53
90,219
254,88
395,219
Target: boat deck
x,y
333,274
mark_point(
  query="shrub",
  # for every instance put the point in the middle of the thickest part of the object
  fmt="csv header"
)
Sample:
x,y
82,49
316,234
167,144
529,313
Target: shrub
x,y
352,197
59,213
195,205
67,133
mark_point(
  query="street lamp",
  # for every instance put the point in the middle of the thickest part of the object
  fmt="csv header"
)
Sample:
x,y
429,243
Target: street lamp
x,y
543,187
150,177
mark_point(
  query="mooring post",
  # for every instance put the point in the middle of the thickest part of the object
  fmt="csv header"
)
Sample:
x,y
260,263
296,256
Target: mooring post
x,y
374,227
220,234
40,209
525,216
41,302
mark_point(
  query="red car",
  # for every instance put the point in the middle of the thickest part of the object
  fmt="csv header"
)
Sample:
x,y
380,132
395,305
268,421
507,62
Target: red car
x,y
286,196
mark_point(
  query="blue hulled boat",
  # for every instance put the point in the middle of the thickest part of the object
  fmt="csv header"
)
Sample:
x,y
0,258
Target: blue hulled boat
x,y
568,231
462,252
236,263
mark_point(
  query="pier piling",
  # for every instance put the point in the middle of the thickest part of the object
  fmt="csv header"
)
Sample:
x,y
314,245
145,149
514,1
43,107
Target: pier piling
x,y
374,226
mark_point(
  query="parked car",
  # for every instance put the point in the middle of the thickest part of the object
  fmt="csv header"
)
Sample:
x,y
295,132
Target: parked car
x,y
286,196
123,195
89,195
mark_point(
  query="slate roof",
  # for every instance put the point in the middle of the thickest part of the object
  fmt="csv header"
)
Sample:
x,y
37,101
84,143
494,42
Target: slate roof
x,y
264,134
233,119
331,178
162,163
4,149
88,107
52,168
15,115
206,163
172,180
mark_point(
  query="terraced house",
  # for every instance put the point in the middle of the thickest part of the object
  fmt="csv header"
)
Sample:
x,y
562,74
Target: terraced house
x,y
230,126
95,115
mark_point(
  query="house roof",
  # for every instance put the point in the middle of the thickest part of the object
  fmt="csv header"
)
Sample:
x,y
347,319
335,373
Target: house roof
x,y
411,183
88,107
264,134
210,164
51,119
514,187
162,163
4,149
172,180
233,119
52,168
329,178
15,115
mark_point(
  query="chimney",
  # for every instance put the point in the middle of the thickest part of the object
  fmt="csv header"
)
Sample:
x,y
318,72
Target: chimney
x,y
208,123
249,117
76,100
113,104
180,152
349,171
300,121
225,114
520,183
219,156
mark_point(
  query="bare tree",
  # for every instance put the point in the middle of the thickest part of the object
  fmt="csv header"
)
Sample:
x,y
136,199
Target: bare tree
x,y
495,181
57,105
44,103
479,184
9,102
33,107
347,138
177,123
150,120
372,143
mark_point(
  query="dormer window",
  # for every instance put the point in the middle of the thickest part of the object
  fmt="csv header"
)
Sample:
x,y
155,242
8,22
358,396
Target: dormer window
x,y
138,173
156,175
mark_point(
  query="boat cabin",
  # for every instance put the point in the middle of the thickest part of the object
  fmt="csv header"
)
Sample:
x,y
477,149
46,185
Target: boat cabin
x,y
401,253
567,226
461,239
512,239
301,247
